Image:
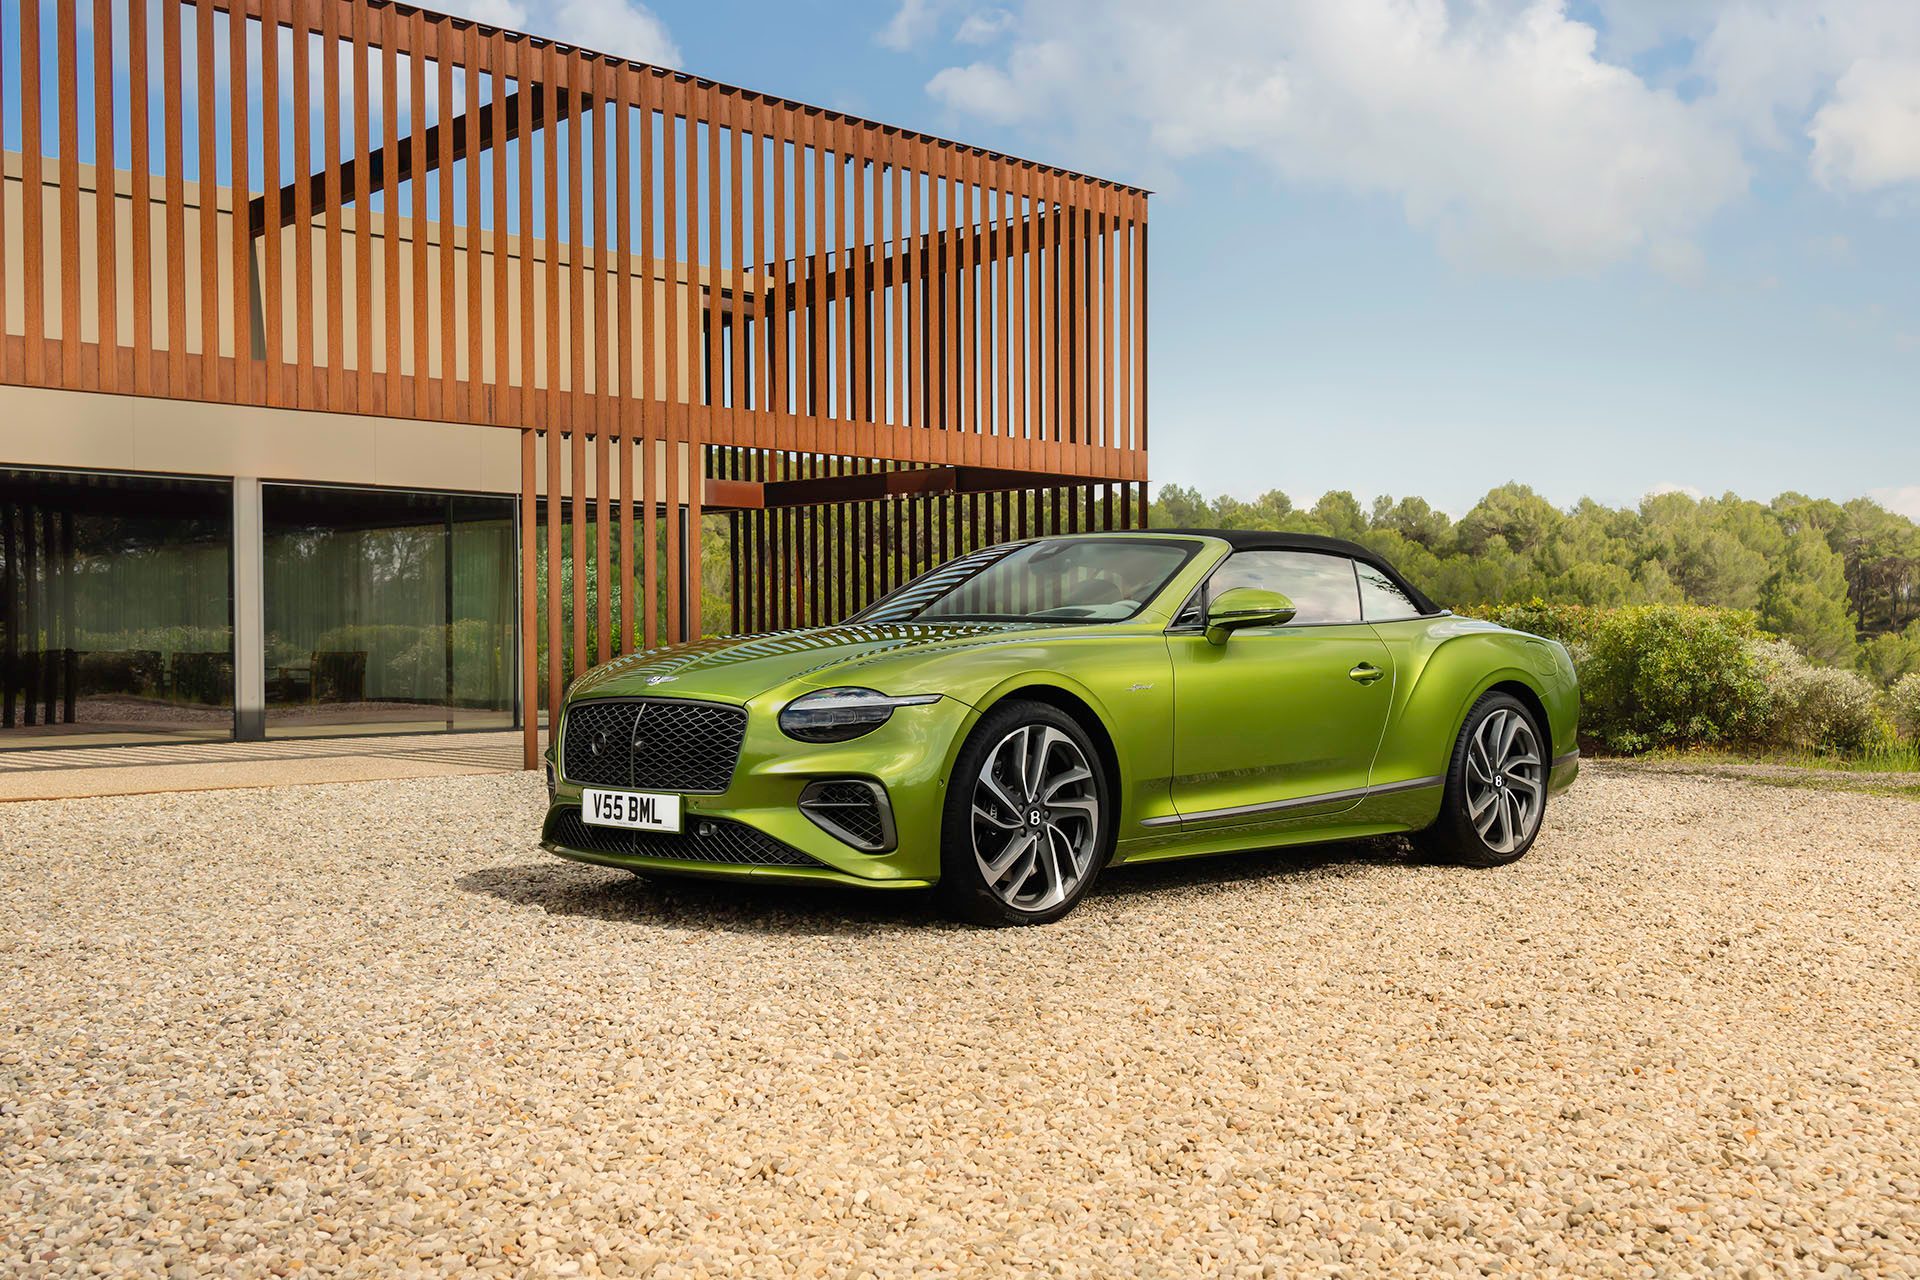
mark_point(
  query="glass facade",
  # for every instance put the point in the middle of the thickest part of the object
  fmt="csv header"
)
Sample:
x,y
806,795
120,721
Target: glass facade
x,y
387,611
116,609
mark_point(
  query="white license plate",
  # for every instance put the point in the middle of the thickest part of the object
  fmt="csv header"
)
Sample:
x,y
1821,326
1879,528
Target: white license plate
x,y
638,810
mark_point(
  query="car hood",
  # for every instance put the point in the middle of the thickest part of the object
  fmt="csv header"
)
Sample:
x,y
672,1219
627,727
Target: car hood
x,y
737,668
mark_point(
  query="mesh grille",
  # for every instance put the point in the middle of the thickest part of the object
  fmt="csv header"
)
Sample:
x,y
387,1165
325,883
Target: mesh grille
x,y
660,746
706,840
850,810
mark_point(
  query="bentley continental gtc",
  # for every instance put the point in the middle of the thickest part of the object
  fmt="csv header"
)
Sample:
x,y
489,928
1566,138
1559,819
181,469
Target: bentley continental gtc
x,y
1006,726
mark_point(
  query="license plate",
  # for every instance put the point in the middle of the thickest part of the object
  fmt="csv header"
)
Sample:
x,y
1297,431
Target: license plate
x,y
637,810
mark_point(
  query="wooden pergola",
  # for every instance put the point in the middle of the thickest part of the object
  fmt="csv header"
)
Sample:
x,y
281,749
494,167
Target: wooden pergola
x,y
870,347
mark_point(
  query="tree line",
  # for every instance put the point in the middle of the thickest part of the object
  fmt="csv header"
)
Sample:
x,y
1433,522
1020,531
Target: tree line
x,y
1841,581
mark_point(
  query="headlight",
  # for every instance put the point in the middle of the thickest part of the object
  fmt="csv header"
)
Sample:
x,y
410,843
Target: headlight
x,y
834,715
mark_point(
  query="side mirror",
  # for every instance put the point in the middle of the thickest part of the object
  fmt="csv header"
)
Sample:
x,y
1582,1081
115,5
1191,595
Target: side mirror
x,y
1246,607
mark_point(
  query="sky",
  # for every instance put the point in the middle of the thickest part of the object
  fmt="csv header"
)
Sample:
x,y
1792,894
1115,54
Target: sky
x,y
1603,247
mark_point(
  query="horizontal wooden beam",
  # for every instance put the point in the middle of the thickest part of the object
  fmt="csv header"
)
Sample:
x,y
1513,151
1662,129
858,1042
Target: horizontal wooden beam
x,y
875,485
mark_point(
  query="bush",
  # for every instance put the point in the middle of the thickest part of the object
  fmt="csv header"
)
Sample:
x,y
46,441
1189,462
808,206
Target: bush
x,y
1905,697
1824,709
1657,675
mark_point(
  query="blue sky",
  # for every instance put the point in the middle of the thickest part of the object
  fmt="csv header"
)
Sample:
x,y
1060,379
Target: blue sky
x,y
1428,246
1395,273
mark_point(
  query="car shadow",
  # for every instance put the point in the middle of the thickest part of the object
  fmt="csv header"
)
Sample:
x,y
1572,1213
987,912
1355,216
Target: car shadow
x,y
571,889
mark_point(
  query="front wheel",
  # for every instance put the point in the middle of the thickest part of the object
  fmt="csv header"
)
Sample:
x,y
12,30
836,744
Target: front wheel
x,y
1496,787
1028,819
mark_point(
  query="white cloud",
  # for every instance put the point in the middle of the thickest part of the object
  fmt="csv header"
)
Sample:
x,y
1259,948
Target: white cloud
x,y
1903,498
912,24
624,28
983,27
1494,124
1692,491
1867,135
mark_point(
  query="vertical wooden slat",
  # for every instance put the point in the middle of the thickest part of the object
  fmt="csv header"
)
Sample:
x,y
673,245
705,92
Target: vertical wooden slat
x,y
602,391
738,121
838,267
1108,420
499,394
239,239
106,213
651,375
695,416
364,398
442,396
966,313
818,327
629,393
716,350
10,372
1139,348
141,189
469,400
419,232
172,129
859,292
529,602
526,400
778,295
576,412
333,385
67,86
393,389
673,410
302,389
762,260
207,383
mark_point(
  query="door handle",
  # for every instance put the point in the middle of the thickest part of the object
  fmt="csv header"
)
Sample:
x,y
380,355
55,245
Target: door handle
x,y
1365,673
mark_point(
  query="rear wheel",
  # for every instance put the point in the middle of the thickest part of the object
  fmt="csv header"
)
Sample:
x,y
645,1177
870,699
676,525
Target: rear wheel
x,y
1496,787
1028,821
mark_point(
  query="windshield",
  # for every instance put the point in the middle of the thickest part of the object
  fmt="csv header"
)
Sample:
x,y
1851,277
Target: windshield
x,y
1052,580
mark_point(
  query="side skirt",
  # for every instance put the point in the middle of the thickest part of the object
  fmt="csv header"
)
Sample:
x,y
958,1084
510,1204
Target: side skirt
x,y
1387,810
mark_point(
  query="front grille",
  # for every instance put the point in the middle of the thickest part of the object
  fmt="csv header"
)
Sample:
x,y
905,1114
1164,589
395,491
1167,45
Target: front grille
x,y
705,840
653,745
852,810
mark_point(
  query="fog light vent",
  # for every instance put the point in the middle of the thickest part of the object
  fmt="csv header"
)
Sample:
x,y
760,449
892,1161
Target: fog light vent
x,y
854,810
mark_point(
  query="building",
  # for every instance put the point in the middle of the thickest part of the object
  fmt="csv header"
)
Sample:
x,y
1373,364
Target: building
x,y
422,381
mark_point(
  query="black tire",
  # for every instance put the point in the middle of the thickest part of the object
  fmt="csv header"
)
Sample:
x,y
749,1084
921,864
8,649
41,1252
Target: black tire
x,y
1456,837
963,890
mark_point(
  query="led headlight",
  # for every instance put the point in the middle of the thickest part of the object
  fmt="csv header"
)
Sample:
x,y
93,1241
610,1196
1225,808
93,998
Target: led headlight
x,y
835,715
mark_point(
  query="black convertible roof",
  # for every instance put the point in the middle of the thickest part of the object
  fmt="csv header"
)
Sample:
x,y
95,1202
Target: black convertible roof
x,y
1269,540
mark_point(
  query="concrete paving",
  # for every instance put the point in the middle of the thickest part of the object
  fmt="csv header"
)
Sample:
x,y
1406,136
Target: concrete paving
x,y
56,774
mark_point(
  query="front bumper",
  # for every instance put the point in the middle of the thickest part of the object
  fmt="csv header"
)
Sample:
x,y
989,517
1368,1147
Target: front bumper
x,y
910,756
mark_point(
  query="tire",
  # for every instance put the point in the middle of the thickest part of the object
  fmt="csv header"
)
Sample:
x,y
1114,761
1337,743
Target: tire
x,y
1065,823
1490,816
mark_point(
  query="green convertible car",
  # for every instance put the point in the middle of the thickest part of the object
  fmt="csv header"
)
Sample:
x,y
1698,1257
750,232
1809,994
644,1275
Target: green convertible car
x,y
1008,724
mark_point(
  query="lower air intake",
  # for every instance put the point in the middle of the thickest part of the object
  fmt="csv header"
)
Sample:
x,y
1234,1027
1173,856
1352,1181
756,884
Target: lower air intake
x,y
714,840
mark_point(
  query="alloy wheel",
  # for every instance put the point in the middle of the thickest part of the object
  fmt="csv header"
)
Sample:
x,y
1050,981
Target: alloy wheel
x,y
1036,818
1506,780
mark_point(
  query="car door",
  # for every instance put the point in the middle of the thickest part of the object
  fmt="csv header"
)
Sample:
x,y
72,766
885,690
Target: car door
x,y
1278,721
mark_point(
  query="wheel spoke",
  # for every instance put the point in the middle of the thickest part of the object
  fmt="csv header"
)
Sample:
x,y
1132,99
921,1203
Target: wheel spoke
x,y
1037,759
999,792
987,815
1478,805
1061,781
996,870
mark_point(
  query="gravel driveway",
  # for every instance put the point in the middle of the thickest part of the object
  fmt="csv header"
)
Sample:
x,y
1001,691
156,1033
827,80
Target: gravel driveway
x,y
367,1029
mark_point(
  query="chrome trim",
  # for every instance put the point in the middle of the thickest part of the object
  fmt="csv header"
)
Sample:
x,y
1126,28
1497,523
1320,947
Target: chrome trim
x,y
883,804
1355,794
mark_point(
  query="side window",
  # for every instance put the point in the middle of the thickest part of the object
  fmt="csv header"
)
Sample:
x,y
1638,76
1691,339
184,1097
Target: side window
x,y
1380,599
1322,587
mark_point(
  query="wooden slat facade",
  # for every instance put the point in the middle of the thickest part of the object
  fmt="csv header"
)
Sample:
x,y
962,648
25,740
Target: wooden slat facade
x,y
701,296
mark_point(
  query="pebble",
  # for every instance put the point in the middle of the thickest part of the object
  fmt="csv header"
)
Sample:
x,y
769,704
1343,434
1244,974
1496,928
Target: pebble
x,y
370,1030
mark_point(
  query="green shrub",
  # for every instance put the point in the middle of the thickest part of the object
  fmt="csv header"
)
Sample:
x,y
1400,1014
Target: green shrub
x,y
1821,709
1657,675
1905,697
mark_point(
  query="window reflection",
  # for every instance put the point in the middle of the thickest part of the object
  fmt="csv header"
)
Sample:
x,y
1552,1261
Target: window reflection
x,y
115,609
387,611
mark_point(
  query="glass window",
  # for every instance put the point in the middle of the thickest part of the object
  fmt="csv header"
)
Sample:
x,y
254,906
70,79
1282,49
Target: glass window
x,y
387,611
1381,600
1055,579
1321,587
116,609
